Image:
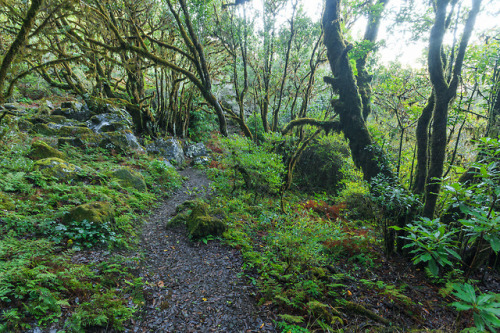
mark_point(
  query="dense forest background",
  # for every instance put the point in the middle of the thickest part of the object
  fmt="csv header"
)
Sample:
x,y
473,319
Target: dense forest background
x,y
320,151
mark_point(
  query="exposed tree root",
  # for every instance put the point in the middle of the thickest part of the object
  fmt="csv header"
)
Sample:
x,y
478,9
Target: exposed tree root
x,y
350,307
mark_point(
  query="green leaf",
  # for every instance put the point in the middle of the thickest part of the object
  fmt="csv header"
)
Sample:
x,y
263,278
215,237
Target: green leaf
x,y
425,257
433,268
461,306
495,244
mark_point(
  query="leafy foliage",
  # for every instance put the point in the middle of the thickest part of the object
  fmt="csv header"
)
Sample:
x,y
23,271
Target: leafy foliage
x,y
485,307
432,244
39,282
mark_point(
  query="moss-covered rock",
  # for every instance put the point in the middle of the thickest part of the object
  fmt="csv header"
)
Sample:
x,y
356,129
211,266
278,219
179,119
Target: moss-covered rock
x,y
97,212
121,142
6,203
202,226
24,125
56,167
75,142
56,119
41,150
43,129
198,219
44,110
129,178
74,131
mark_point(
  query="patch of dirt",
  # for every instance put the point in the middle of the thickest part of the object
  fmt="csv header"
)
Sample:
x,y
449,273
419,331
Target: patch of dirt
x,y
194,287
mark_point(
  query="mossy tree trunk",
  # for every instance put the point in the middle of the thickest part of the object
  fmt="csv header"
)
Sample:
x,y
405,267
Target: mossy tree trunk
x,y
422,134
17,45
349,105
363,78
444,89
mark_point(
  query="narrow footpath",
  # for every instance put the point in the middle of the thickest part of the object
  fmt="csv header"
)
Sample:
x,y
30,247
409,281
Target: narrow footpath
x,y
194,287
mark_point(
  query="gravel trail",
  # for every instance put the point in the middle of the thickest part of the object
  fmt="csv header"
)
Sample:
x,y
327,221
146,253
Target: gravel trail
x,y
194,287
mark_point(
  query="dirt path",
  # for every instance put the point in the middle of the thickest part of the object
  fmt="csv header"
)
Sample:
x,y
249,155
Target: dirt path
x,y
194,287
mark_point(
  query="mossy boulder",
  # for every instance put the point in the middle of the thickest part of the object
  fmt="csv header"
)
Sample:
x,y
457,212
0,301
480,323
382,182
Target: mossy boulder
x,y
121,142
43,129
75,142
6,203
74,131
199,222
24,125
41,150
44,110
110,122
129,178
56,119
202,226
56,167
99,105
170,149
97,212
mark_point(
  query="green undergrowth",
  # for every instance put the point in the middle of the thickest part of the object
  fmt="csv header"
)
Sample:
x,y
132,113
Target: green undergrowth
x,y
39,283
293,255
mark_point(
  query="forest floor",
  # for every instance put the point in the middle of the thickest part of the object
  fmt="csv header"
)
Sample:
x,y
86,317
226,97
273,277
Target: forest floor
x,y
193,287
197,287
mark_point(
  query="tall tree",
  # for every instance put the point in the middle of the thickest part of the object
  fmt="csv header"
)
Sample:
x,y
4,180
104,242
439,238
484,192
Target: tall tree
x,y
17,45
349,105
444,91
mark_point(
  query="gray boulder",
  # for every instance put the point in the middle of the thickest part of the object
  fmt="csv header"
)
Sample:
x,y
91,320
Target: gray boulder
x,y
170,149
122,142
196,150
75,112
110,122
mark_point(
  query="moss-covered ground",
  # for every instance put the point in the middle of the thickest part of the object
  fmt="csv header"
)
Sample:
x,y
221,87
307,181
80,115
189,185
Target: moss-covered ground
x,y
40,282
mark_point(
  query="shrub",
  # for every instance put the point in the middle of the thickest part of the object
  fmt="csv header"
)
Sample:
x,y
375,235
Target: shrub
x,y
322,165
261,171
485,307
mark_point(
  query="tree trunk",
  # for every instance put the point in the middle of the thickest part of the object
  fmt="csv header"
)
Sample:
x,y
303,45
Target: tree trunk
x,y
444,93
422,134
349,106
18,43
363,78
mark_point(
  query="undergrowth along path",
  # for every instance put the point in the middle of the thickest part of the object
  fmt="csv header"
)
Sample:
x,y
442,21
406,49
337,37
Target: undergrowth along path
x,y
194,287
